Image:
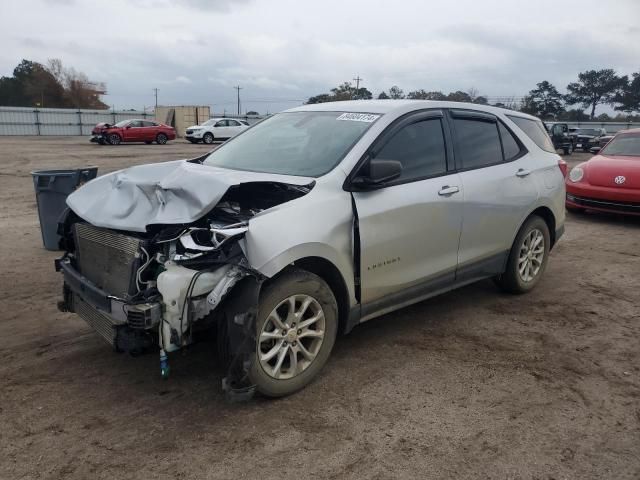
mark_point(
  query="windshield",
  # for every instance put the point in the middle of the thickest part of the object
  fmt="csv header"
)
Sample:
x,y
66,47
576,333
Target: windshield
x,y
122,123
307,144
588,131
209,122
625,145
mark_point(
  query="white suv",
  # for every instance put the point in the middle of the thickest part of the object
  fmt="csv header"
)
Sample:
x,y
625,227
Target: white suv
x,y
215,129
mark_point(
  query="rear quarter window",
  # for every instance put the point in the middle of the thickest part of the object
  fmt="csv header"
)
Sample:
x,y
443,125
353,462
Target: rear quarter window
x,y
534,129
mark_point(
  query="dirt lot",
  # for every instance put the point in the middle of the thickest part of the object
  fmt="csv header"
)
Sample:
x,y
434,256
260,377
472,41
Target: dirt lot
x,y
473,384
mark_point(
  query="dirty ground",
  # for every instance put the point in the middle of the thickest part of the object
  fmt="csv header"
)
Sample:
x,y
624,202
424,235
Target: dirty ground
x,y
473,384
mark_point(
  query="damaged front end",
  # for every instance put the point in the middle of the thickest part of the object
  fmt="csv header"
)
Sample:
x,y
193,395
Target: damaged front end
x,y
162,284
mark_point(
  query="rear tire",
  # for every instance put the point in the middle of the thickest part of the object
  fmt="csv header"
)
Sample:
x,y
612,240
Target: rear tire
x,y
297,325
528,258
161,139
208,138
568,150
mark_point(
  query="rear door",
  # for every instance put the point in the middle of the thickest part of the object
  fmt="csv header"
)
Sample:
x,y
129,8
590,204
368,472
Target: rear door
x,y
499,190
149,130
409,229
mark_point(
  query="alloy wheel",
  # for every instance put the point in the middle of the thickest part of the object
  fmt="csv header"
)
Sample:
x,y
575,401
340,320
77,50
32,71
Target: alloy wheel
x,y
531,255
291,337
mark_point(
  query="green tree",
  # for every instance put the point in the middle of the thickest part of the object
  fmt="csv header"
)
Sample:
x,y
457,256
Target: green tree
x,y
629,96
595,87
396,93
345,91
33,84
362,94
383,96
544,101
573,115
459,96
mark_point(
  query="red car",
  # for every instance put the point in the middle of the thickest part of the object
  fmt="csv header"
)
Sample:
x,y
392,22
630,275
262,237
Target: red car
x,y
609,181
132,131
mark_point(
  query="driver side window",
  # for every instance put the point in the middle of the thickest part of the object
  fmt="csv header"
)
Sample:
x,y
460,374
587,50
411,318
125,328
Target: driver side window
x,y
221,123
420,148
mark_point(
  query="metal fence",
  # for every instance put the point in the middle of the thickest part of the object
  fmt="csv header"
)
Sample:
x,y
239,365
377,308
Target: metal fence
x,y
65,121
58,121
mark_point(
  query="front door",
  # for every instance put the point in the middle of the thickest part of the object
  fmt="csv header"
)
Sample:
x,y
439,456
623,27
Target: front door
x,y
409,229
134,132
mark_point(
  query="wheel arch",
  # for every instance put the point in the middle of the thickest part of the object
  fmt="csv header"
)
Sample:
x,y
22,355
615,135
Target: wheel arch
x,y
326,270
549,218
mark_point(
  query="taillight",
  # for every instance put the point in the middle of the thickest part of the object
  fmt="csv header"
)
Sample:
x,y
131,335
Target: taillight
x,y
563,167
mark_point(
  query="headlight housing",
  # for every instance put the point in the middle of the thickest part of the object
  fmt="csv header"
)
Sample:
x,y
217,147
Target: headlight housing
x,y
576,174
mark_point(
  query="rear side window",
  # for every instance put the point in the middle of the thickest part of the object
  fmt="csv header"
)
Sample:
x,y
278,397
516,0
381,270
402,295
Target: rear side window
x,y
535,131
477,143
420,148
510,146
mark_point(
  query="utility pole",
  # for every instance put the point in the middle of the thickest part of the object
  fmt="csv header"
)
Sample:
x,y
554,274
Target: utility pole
x,y
155,91
357,80
238,88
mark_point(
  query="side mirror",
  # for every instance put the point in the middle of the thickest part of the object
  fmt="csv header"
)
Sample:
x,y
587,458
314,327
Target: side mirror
x,y
376,173
128,126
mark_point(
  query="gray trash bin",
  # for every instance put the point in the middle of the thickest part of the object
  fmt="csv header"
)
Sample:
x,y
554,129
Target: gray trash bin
x,y
52,188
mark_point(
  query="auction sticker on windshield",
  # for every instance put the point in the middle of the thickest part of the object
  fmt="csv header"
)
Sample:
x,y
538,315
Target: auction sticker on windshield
x,y
358,117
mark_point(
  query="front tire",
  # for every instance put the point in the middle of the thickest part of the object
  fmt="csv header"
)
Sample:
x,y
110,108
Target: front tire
x,y
528,257
296,330
114,139
208,138
161,139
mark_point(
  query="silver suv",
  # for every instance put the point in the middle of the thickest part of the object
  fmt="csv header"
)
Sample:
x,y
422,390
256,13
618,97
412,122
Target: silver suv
x,y
307,224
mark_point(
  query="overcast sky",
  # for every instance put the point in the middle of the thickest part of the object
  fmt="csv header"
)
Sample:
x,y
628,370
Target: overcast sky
x,y
283,51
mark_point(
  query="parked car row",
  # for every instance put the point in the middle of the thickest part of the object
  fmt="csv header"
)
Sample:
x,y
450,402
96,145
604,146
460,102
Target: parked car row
x,y
569,139
147,131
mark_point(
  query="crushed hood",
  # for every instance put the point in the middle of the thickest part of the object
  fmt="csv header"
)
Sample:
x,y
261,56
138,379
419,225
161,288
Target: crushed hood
x,y
162,193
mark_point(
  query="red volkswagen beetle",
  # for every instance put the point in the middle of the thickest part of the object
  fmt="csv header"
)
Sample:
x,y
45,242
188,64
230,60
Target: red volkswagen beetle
x,y
609,181
132,131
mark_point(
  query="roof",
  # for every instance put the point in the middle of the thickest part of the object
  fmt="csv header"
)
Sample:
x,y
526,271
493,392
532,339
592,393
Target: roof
x,y
399,107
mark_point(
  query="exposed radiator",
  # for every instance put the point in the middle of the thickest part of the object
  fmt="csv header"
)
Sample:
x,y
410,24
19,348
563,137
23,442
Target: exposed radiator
x,y
100,322
109,259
